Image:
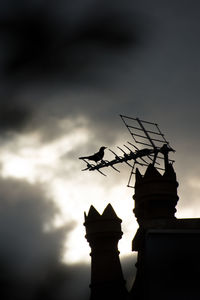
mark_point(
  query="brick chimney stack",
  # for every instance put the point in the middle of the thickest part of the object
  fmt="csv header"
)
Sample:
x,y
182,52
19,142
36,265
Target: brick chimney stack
x,y
155,195
155,201
103,233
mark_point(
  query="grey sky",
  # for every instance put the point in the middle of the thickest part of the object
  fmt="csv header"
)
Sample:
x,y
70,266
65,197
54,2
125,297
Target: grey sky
x,y
87,62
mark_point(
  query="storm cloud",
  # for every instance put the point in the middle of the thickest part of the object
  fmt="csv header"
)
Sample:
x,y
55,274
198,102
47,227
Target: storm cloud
x,y
67,70
31,248
99,59
56,58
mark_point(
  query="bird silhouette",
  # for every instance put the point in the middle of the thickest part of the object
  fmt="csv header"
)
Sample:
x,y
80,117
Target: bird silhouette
x,y
96,156
166,148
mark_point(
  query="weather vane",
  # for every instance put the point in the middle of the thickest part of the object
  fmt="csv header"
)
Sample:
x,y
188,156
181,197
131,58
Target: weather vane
x,y
152,148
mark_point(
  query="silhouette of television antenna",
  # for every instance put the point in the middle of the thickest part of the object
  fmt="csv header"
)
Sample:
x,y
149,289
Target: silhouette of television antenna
x,y
149,146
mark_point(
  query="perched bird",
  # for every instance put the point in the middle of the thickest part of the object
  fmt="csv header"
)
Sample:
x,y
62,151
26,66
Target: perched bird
x,y
97,156
143,152
166,148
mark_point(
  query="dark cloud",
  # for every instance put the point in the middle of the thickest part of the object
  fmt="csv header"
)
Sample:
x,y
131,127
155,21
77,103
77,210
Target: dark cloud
x,y
61,282
45,39
62,48
94,46
30,254
101,60
13,116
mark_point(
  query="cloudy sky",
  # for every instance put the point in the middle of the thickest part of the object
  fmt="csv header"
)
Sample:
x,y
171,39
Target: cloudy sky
x,y
68,69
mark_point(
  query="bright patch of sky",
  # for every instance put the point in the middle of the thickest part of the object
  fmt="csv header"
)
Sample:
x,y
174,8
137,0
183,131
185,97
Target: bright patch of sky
x,y
73,191
26,157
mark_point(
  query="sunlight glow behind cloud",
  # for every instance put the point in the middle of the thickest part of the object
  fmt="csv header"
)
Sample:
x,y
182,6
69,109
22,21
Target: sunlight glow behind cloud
x,y
27,158
74,202
56,166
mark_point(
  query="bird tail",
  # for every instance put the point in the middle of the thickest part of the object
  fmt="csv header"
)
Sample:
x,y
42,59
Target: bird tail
x,y
83,157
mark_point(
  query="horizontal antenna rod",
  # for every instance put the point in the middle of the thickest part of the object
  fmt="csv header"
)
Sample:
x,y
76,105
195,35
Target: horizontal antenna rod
x,y
139,154
150,131
135,119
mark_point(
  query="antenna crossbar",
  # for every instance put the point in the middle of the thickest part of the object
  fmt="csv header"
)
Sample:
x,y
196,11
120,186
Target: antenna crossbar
x,y
144,133
135,119
150,131
145,137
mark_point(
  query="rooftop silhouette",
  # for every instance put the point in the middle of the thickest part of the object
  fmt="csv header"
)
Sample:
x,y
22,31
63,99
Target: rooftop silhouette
x,y
167,248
